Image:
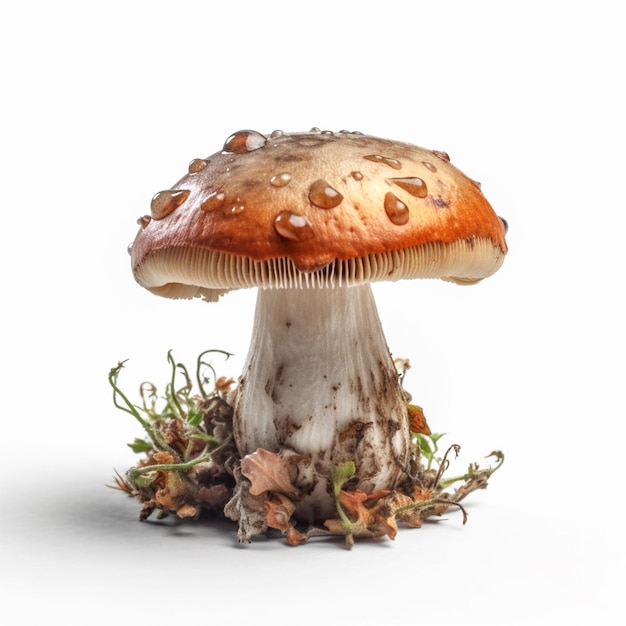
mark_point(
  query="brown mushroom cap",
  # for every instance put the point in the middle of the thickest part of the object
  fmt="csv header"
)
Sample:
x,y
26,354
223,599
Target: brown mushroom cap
x,y
315,209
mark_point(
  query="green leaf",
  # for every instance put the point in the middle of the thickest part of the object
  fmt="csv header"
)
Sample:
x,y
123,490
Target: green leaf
x,y
425,446
437,436
194,417
140,445
342,473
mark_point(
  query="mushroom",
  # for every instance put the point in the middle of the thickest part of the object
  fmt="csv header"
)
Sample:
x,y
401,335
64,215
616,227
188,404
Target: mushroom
x,y
311,219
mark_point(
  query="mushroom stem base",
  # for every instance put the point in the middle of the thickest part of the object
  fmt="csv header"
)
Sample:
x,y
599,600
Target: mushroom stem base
x,y
320,382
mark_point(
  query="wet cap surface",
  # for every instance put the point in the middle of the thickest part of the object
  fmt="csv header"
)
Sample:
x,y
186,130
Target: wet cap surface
x,y
315,209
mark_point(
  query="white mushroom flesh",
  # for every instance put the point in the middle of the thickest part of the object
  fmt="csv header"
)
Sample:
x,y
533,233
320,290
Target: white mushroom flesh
x,y
320,381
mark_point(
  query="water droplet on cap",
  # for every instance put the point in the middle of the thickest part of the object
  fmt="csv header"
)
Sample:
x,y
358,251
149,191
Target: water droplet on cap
x,y
213,201
444,156
144,220
415,186
322,195
396,210
280,180
356,175
197,165
429,166
276,134
378,158
293,227
505,224
244,141
164,202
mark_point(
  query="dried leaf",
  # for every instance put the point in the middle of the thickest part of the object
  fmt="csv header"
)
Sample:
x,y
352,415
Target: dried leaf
x,y
336,527
355,502
163,458
355,430
417,420
279,509
215,496
370,515
246,509
223,385
121,484
167,499
427,504
295,537
402,365
267,471
187,510
174,434
147,510
420,494
412,517
178,495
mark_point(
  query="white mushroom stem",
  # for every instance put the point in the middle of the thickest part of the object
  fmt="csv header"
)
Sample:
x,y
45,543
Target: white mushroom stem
x,y
319,381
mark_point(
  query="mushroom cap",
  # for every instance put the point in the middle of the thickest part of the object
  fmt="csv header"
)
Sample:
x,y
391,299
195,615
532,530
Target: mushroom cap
x,y
315,209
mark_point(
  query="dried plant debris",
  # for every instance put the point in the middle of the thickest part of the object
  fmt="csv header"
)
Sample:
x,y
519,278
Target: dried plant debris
x,y
190,465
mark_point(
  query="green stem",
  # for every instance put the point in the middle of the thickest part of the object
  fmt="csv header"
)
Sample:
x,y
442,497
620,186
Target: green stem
x,y
173,394
180,467
475,473
431,457
429,504
128,406
443,466
199,363
420,506
203,437
148,390
345,520
341,474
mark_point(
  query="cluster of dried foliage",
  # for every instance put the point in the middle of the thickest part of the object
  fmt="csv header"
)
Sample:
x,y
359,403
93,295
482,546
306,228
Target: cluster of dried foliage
x,y
189,465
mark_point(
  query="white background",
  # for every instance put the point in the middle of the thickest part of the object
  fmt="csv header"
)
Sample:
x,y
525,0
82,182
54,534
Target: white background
x,y
103,105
